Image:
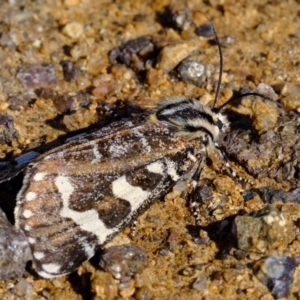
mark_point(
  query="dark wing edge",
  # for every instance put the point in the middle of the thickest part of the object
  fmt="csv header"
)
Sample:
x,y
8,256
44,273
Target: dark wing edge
x,y
11,168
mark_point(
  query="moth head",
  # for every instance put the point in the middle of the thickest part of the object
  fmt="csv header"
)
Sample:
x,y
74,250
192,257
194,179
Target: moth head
x,y
190,119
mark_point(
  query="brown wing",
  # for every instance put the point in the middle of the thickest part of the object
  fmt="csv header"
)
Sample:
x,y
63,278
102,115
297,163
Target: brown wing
x,y
77,197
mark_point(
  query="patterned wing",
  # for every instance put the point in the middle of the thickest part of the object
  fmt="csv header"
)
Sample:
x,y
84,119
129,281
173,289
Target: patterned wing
x,y
10,169
77,197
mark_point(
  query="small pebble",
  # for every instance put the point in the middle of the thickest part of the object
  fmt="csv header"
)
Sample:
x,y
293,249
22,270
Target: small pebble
x,y
265,112
126,289
69,70
264,230
23,289
171,55
227,41
124,261
35,75
193,71
104,286
205,193
181,19
200,283
177,17
188,271
266,90
143,293
73,30
290,96
277,273
8,133
14,250
248,195
205,30
133,53
71,102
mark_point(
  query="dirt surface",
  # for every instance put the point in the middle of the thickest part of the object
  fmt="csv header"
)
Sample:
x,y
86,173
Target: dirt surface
x,y
57,76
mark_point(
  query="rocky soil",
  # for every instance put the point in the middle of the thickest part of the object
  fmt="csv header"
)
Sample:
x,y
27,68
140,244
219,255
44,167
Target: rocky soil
x,y
68,66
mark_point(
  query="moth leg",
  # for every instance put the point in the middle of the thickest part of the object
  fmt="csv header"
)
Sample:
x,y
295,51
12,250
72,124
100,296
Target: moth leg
x,y
192,197
229,169
133,229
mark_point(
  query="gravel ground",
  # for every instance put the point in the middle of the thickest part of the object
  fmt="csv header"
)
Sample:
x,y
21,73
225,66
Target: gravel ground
x,y
58,74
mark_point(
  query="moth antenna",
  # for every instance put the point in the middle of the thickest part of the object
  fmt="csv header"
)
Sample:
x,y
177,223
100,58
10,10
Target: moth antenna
x,y
245,95
220,75
220,60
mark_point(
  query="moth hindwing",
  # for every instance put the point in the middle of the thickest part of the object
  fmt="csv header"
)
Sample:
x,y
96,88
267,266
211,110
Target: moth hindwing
x,y
78,196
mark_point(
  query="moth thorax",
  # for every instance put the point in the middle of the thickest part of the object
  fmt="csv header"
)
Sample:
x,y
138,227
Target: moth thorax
x,y
190,118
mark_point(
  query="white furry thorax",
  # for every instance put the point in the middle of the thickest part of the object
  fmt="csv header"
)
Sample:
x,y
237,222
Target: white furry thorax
x,y
189,118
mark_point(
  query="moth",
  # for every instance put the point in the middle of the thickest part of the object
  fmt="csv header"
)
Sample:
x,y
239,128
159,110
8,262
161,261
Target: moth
x,y
79,195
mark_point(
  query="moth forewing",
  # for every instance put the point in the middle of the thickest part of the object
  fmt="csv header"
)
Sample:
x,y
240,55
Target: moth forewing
x,y
78,196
